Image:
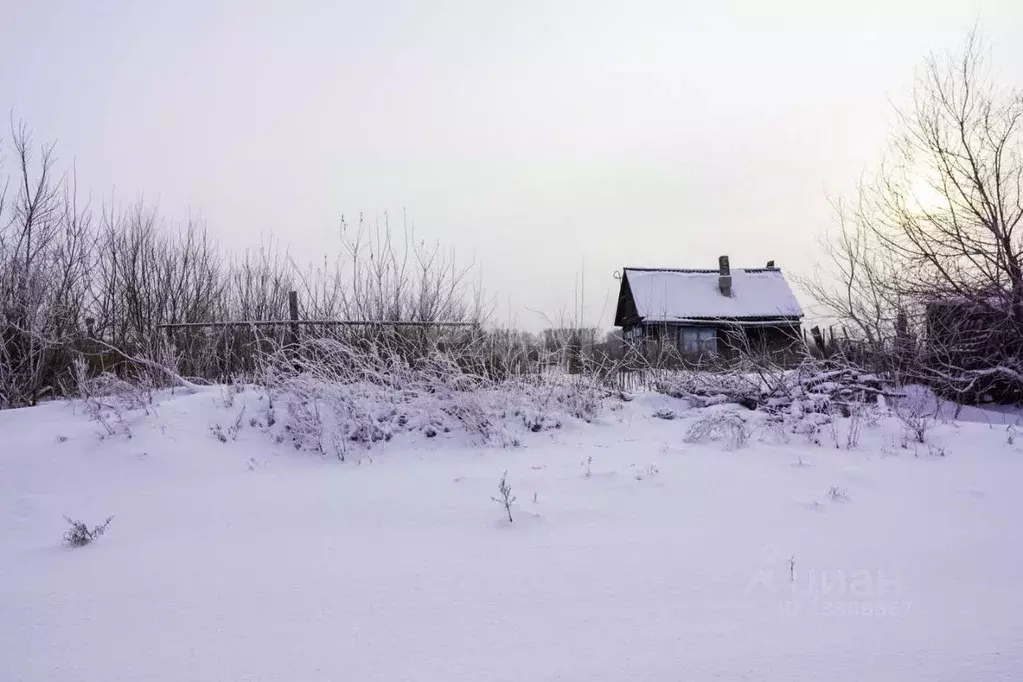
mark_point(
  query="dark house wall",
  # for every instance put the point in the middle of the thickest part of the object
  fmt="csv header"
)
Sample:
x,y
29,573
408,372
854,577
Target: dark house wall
x,y
969,336
774,339
780,342
626,314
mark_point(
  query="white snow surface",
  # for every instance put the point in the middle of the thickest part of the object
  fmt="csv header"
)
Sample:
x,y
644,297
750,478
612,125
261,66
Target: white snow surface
x,y
678,295
633,555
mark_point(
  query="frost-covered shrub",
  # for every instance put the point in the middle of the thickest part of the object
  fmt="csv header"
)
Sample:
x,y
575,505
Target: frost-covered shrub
x,y
708,388
468,410
725,425
106,399
506,497
759,384
917,417
809,424
837,494
326,417
771,429
79,534
329,396
582,398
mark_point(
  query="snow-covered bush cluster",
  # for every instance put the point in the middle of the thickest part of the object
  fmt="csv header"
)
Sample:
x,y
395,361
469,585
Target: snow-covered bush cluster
x,y
720,424
327,396
107,398
812,387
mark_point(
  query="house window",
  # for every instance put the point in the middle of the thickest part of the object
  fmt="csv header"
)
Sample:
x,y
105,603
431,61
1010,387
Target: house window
x,y
697,340
634,334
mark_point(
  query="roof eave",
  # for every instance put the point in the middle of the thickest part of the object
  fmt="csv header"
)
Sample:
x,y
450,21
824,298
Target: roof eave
x,y
746,320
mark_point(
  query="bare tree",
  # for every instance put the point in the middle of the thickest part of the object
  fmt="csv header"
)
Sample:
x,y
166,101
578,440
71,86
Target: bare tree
x,y
858,281
45,246
109,289
940,225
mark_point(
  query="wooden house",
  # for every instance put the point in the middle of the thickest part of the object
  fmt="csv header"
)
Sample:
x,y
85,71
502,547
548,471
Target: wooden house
x,y
709,312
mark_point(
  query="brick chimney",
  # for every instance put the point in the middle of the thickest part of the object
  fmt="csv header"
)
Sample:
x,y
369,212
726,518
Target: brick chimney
x,y
770,265
725,277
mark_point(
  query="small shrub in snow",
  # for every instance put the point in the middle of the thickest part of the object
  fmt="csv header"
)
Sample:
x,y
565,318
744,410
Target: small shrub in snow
x,y
665,414
79,534
857,414
917,416
218,433
233,430
466,408
836,494
917,426
648,472
507,498
723,424
106,398
772,430
810,425
582,398
228,392
833,430
888,445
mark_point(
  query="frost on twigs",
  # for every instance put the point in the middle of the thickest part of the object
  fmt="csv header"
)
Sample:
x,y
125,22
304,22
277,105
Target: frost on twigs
x,y
79,534
334,396
724,425
506,497
837,494
757,383
108,399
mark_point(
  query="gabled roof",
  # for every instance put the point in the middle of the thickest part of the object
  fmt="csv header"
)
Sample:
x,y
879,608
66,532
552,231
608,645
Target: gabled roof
x,y
671,295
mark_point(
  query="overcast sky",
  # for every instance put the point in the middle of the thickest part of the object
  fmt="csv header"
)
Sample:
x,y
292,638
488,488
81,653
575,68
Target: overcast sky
x,y
542,139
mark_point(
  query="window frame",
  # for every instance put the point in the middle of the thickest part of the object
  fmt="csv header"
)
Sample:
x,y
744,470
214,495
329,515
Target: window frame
x,y
698,340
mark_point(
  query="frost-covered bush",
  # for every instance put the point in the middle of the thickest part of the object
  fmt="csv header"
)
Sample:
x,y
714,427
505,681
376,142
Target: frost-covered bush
x,y
330,396
106,398
506,497
704,388
758,384
918,412
837,494
726,425
79,534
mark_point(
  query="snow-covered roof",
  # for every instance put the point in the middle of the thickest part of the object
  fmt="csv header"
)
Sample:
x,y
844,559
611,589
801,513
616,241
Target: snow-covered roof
x,y
680,295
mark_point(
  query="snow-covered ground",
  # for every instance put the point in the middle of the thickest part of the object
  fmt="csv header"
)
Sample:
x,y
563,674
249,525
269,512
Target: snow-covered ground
x,y
633,554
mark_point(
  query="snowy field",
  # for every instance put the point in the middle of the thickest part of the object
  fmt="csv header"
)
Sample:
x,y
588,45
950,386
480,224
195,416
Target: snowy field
x,y
633,554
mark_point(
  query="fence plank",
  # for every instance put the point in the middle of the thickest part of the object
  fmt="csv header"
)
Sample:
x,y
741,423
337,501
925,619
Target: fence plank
x,y
293,316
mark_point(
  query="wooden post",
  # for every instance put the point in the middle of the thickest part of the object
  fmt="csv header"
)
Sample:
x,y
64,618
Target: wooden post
x,y
293,316
818,340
